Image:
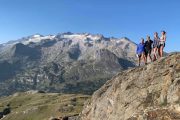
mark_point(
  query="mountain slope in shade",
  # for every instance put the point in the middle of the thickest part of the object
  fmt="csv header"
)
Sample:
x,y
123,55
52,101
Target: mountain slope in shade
x,y
150,92
67,62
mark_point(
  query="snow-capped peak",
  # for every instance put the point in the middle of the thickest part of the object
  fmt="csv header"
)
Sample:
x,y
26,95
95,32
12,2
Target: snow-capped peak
x,y
38,38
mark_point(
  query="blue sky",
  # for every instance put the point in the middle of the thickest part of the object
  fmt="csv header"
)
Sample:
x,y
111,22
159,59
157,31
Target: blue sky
x,y
118,18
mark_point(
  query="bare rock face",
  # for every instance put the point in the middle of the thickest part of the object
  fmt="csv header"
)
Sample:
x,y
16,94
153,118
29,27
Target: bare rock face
x,y
66,62
150,92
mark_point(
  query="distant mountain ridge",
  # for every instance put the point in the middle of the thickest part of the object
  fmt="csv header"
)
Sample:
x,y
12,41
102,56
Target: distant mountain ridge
x,y
66,62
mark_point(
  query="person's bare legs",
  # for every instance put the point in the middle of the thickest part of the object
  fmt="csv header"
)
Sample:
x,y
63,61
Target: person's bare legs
x,y
144,57
155,55
150,57
161,51
139,59
157,52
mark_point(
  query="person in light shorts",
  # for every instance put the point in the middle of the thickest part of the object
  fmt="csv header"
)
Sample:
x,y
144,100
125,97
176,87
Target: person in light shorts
x,y
162,43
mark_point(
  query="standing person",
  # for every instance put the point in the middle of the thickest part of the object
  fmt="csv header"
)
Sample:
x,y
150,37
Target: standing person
x,y
140,51
162,43
155,45
148,48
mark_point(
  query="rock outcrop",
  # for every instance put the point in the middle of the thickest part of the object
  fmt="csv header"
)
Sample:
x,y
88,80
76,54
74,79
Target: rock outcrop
x,y
151,92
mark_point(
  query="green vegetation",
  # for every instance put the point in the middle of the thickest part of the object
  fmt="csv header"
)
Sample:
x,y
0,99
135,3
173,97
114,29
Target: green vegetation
x,y
42,106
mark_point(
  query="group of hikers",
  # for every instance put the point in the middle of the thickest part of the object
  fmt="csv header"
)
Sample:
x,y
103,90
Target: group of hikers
x,y
145,48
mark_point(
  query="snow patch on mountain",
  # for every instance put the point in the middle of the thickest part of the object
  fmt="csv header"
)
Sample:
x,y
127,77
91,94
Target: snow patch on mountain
x,y
38,38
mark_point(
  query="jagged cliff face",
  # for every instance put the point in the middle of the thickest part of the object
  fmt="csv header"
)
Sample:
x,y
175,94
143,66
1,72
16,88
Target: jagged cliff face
x,y
150,92
69,63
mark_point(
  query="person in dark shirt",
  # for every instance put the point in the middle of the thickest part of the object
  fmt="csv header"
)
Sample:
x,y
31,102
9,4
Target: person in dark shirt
x,y
148,48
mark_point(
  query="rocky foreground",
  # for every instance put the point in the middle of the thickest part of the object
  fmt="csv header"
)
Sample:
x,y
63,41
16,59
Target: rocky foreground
x,y
150,92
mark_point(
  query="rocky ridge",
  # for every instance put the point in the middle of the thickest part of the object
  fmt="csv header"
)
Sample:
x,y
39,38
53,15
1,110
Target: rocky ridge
x,y
151,92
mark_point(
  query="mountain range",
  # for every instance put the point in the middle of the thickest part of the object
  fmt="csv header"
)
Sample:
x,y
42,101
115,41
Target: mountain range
x,y
65,63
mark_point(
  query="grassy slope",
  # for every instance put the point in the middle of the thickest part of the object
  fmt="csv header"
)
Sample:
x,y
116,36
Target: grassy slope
x,y
42,106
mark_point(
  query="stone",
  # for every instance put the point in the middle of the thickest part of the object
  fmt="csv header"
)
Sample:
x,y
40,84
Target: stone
x,y
150,92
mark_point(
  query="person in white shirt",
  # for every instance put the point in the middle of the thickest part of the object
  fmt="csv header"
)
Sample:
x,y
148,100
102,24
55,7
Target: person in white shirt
x,y
162,43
